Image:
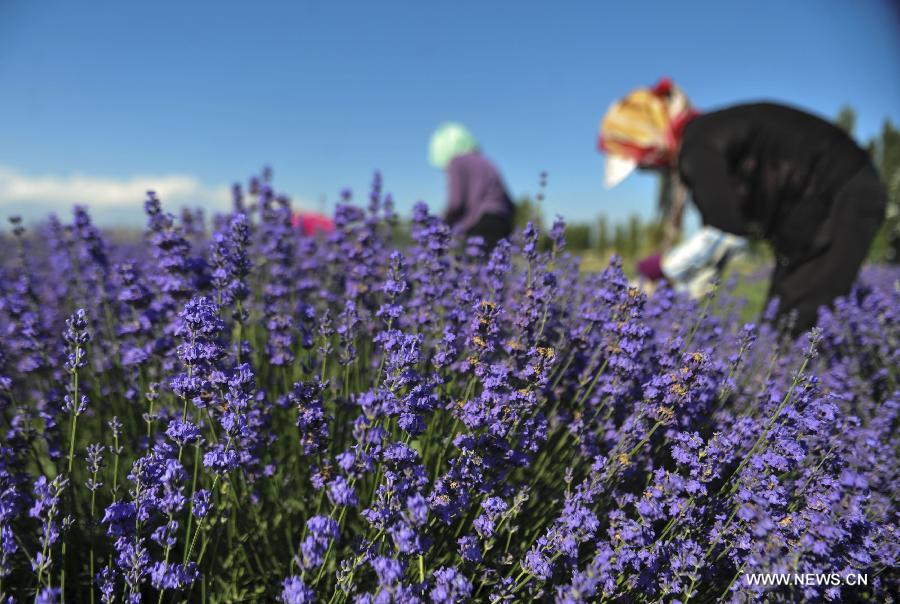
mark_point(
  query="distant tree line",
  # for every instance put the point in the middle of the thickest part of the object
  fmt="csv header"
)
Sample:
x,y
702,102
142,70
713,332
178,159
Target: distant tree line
x,y
629,238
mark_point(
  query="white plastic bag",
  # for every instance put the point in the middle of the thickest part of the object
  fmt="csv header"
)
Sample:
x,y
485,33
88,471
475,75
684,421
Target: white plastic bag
x,y
692,266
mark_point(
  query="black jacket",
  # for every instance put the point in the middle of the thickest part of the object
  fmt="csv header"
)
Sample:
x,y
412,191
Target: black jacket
x,y
766,171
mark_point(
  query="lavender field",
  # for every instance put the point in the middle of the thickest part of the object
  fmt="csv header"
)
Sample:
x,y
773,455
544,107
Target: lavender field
x,y
254,415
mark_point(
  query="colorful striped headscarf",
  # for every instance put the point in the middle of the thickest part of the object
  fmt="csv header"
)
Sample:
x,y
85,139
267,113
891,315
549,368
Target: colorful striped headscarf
x,y
644,128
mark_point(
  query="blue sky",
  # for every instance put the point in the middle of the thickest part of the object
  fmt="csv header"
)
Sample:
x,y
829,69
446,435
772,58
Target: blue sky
x,y
100,100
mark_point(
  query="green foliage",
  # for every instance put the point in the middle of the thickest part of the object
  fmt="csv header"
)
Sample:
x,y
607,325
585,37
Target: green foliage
x,y
528,210
846,119
603,242
886,154
635,234
578,237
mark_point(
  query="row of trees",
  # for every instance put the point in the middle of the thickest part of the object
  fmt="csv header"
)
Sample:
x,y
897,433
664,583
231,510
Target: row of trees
x,y
629,238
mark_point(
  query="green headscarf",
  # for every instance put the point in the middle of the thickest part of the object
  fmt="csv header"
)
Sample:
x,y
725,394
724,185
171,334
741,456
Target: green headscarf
x,y
448,141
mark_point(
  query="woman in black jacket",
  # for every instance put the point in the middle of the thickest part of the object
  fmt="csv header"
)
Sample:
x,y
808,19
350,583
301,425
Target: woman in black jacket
x,y
765,171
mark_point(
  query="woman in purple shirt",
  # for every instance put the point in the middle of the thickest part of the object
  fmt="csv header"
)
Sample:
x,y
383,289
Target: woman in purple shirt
x,y
477,201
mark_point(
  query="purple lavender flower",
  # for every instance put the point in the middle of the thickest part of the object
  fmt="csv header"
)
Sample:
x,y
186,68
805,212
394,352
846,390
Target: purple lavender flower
x,y
469,548
295,591
46,510
322,531
221,459
312,423
342,493
120,518
48,595
93,258
137,318
232,265
106,581
133,562
278,247
94,458
183,432
485,524
76,336
404,476
388,570
172,576
450,587
171,251
200,350
201,503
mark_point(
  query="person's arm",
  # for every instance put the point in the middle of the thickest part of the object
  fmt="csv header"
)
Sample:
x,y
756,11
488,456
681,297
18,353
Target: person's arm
x,y
456,194
674,216
706,172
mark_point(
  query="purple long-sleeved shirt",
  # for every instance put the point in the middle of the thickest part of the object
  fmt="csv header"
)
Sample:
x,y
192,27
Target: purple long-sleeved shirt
x,y
474,189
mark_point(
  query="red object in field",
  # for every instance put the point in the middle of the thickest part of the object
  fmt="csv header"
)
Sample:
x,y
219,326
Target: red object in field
x,y
651,267
309,223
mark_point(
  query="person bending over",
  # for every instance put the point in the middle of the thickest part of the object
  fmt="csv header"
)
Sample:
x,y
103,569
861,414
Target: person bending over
x,y
760,170
477,201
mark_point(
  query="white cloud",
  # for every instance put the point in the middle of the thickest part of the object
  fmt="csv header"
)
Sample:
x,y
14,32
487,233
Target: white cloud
x,y
100,192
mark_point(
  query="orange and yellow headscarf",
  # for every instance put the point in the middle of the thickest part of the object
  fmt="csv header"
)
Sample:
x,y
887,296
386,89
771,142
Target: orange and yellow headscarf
x,y
643,129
